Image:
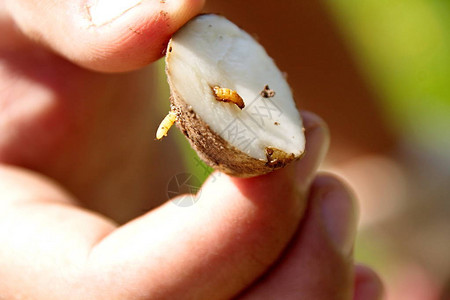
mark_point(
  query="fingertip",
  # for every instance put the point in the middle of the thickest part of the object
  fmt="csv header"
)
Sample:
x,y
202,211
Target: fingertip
x,y
182,11
368,285
338,212
317,141
138,36
268,186
264,207
104,35
312,120
328,181
272,197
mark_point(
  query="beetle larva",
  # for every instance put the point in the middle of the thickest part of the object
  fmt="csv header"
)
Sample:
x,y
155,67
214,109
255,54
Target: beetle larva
x,y
165,125
228,95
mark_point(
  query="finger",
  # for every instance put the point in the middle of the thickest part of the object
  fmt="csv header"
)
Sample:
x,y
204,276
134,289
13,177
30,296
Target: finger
x,y
104,35
233,233
45,237
368,285
318,263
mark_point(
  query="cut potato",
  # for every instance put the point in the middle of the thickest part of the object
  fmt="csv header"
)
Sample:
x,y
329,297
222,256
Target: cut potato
x,y
230,99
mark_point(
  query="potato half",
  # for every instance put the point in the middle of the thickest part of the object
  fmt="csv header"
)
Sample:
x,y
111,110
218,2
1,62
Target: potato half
x,y
230,99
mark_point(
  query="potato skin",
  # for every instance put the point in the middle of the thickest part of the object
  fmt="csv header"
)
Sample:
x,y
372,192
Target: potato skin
x,y
217,152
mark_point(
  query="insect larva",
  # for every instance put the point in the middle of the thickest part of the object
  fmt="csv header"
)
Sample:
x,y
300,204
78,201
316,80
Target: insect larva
x,y
228,95
165,125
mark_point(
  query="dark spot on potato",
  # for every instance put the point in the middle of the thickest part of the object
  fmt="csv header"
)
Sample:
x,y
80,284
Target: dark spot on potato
x,y
277,158
267,92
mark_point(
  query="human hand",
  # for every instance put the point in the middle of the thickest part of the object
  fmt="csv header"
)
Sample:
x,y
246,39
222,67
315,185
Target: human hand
x,y
79,127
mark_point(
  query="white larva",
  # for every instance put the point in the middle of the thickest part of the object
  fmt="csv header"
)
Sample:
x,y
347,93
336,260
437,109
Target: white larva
x,y
165,125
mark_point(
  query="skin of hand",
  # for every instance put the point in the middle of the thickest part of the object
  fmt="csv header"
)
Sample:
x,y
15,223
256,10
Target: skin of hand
x,y
74,122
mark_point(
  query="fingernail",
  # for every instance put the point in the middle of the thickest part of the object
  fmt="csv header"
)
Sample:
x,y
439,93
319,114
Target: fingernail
x,y
339,218
105,11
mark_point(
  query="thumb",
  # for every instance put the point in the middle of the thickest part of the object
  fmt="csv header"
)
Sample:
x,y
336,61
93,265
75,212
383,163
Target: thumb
x,y
233,233
104,35
217,247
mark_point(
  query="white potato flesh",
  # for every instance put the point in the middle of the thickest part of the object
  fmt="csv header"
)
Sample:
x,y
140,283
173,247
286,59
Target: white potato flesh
x,y
211,51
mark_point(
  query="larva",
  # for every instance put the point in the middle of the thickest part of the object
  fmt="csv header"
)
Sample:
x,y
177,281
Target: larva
x,y
165,125
228,95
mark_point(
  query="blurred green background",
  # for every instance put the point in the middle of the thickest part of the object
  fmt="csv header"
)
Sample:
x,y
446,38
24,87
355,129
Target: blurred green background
x,y
403,47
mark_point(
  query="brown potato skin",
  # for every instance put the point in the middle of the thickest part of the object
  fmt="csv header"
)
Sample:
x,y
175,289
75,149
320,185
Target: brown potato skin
x,y
216,151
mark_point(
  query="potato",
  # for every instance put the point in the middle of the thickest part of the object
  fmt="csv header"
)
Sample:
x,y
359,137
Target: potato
x,y
230,100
